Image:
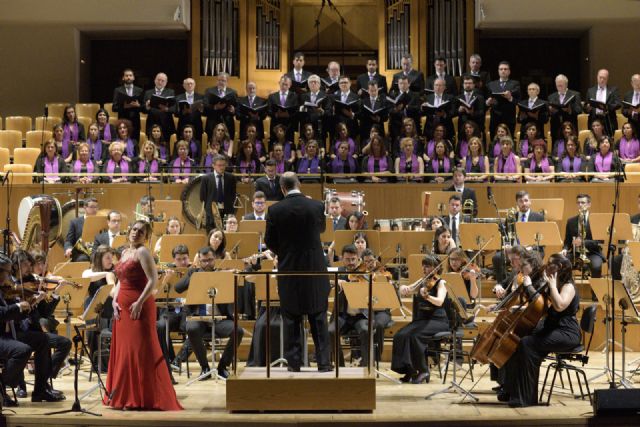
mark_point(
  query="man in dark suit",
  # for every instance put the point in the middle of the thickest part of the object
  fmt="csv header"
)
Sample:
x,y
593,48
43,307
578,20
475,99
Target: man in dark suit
x,y
282,108
220,106
299,77
440,65
259,205
608,95
189,112
454,217
440,110
407,105
269,184
504,95
128,101
75,232
246,116
633,97
162,115
466,193
481,78
293,233
346,106
335,213
525,214
415,77
218,187
373,111
319,117
571,106
330,82
573,241
540,116
114,220
372,75
476,112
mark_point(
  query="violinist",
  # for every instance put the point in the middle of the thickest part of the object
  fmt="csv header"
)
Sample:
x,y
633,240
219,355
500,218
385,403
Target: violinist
x,y
382,318
350,319
458,263
410,344
28,331
557,331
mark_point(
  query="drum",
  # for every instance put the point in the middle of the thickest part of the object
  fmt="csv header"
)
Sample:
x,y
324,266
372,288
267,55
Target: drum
x,y
190,198
69,213
350,201
29,208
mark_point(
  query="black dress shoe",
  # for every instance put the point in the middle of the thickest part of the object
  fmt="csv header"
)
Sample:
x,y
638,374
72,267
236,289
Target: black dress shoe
x,y
53,391
173,380
223,373
327,368
205,371
45,396
21,393
497,389
8,402
503,396
293,368
423,377
407,378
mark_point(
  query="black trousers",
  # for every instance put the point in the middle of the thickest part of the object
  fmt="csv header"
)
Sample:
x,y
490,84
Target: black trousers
x,y
61,348
197,331
360,324
16,354
176,324
293,338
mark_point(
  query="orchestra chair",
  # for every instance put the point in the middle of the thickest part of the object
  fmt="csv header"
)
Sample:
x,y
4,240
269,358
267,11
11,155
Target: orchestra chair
x,y
113,120
466,332
87,110
10,139
108,106
19,168
267,128
172,142
487,121
205,143
56,109
582,137
632,167
175,121
36,138
86,121
578,354
143,123
27,156
617,135
143,138
621,119
19,123
46,123
583,122
236,123
1,123
5,159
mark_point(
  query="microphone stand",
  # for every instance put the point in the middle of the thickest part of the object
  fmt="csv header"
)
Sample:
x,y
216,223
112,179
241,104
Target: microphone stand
x,y
503,231
46,119
6,233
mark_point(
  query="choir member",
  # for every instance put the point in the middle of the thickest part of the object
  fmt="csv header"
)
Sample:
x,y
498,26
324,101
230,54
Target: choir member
x,y
503,97
220,106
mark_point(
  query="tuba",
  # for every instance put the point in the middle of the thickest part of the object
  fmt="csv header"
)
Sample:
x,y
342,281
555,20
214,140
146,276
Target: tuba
x,y
582,232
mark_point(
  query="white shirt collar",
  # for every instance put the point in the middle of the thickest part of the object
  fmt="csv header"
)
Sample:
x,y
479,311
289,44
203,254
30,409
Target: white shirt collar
x,y
294,191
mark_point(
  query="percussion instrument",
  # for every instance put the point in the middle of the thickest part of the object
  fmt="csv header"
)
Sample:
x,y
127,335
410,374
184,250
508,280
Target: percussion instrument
x,y
29,212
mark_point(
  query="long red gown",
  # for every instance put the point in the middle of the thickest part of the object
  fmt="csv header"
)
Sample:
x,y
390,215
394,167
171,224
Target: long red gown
x,y
138,377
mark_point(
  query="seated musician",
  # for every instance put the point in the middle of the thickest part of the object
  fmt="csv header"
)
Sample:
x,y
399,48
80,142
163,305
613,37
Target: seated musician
x,y
411,343
174,227
350,319
458,263
230,223
442,241
382,318
74,234
558,331
218,244
28,331
575,246
198,330
174,316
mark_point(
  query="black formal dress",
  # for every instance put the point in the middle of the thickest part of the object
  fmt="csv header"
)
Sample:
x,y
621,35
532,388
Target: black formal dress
x,y
222,115
258,350
161,118
192,116
594,252
293,233
411,343
210,193
558,331
131,114
503,111
609,118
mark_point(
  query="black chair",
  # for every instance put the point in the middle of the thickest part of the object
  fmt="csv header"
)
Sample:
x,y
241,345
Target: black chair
x,y
578,354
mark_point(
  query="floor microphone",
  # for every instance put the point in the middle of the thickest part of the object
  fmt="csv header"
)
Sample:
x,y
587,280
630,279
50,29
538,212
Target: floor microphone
x,y
46,110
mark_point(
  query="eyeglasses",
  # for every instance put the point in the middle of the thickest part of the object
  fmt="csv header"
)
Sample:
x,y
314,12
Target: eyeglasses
x,y
206,260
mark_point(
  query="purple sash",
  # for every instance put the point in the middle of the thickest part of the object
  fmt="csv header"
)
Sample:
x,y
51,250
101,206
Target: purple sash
x,y
431,148
463,149
186,168
193,148
248,167
111,166
153,166
129,150
280,166
309,166
524,148
544,164
337,165
629,149
567,163
603,164
560,148
352,146
77,166
106,132
259,147
95,148
496,149
70,132
382,164
507,165
415,167
435,165
51,169
162,151
469,164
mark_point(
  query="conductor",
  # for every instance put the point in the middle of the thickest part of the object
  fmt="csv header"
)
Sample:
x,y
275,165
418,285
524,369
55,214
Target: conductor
x,y
293,233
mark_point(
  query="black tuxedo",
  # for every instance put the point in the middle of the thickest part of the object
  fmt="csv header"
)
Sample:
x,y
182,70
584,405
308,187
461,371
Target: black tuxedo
x,y
556,119
476,115
593,247
362,83
366,118
633,117
193,117
291,103
245,118
272,191
73,235
339,117
339,224
450,84
504,111
609,119
132,114
209,195
157,117
319,121
467,194
481,81
411,110
416,81
293,233
219,116
543,117
447,120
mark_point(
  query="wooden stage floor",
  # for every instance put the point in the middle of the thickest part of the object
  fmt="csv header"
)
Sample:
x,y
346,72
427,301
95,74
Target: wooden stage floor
x,y
204,404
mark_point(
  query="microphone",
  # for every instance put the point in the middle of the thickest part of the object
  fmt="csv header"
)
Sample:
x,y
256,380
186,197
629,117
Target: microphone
x,y
489,193
46,110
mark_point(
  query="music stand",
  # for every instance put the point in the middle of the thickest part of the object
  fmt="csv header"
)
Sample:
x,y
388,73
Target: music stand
x,y
383,297
328,235
168,208
243,244
538,234
73,299
624,302
414,265
480,237
158,228
211,287
456,306
419,242
93,225
192,241
438,202
552,209
393,246
252,226
120,240
260,282
229,264
345,237
600,224
165,292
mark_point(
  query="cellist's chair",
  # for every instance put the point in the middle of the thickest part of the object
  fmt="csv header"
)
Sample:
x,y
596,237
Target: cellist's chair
x,y
579,354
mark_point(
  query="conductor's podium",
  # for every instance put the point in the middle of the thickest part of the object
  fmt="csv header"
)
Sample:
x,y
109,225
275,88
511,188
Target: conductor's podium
x,y
307,390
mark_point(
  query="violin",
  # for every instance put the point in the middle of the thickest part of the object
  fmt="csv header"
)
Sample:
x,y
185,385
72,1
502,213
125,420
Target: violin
x,y
470,268
361,268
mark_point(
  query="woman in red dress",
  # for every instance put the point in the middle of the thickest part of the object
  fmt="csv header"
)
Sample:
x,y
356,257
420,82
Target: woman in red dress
x,y
138,376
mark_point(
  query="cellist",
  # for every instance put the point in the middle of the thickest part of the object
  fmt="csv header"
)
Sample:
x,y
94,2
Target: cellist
x,y
557,331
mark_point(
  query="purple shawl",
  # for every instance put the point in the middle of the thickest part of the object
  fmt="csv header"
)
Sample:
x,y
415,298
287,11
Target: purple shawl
x,y
567,163
415,166
524,148
337,165
106,132
560,148
111,166
382,164
95,150
469,164
463,149
153,166
309,166
544,164
507,165
496,149
77,166
435,165
51,169
248,167
431,148
70,132
603,164
129,150
179,169
629,149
